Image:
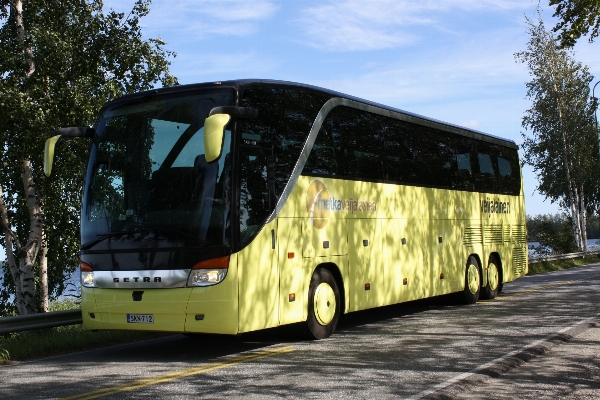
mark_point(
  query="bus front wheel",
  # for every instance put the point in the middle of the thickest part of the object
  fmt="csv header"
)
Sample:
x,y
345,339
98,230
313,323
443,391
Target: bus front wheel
x,y
472,281
323,304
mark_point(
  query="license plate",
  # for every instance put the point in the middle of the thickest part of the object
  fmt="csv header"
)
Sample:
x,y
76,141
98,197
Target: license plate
x,y
140,318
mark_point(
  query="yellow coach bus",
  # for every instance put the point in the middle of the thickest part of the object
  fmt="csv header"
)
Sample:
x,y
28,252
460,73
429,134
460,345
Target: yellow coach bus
x,y
235,206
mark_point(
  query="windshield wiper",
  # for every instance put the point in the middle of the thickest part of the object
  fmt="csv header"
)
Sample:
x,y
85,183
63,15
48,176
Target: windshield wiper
x,y
92,243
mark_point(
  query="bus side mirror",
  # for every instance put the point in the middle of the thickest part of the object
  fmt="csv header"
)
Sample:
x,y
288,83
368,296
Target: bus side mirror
x,y
70,132
214,129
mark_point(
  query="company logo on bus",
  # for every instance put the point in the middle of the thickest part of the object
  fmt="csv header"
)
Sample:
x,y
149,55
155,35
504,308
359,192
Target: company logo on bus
x,y
491,206
320,204
316,195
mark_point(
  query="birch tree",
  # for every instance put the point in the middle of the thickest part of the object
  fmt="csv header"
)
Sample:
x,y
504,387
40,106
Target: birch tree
x,y
60,60
562,148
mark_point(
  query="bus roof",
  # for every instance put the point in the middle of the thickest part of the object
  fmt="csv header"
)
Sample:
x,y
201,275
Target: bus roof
x,y
240,84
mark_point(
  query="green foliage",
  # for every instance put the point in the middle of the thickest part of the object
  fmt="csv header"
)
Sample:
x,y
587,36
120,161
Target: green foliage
x,y
548,266
82,58
552,232
562,146
63,339
577,18
593,227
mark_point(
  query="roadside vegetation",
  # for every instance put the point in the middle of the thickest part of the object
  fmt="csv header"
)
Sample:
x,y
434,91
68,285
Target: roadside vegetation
x,y
64,339
548,266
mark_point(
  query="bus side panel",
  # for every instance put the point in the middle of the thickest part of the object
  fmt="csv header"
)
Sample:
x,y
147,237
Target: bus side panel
x,y
367,275
440,240
214,309
88,308
454,258
403,256
259,282
166,305
293,278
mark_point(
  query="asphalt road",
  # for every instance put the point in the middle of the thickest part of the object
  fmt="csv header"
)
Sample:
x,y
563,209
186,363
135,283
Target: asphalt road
x,y
539,339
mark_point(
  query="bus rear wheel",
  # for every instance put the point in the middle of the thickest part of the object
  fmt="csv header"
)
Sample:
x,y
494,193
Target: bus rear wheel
x,y
490,290
323,304
472,281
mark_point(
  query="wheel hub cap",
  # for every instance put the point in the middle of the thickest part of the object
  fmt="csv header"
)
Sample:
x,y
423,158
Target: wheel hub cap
x,y
473,279
493,277
324,304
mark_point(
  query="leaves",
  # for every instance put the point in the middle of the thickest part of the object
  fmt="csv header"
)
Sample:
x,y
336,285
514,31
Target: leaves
x,y
562,148
83,58
578,18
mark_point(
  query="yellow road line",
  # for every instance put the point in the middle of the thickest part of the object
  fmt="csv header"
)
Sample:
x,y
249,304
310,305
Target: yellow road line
x,y
181,374
540,288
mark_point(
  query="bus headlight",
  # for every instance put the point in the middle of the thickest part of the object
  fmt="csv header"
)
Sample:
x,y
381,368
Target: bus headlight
x,y
205,277
87,275
209,272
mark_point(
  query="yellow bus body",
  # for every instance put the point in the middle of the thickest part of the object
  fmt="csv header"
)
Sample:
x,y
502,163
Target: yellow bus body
x,y
406,243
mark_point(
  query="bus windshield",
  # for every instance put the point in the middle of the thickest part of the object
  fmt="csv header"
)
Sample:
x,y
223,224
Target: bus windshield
x,y
148,179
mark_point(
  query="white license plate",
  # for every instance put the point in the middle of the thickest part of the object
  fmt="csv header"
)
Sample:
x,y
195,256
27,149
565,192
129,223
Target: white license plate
x,y
140,318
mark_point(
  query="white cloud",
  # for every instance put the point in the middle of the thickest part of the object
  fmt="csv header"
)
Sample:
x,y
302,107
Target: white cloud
x,y
382,24
202,18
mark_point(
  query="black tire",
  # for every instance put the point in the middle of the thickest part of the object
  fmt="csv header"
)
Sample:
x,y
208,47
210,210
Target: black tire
x,y
490,290
324,304
470,294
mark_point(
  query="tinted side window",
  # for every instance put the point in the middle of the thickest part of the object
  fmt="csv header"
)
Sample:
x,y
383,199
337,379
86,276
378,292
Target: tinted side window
x,y
326,157
359,145
350,143
363,144
400,143
509,173
285,117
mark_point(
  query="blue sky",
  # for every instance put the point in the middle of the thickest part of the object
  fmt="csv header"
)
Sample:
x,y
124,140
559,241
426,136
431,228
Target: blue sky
x,y
450,60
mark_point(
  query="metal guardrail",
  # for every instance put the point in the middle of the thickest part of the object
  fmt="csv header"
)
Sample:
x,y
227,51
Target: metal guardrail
x,y
30,322
556,257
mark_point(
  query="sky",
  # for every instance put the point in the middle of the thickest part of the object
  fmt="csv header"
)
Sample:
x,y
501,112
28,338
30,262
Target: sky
x,y
451,60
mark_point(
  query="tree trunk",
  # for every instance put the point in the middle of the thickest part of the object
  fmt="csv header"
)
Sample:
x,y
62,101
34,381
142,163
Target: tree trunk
x,y
21,36
28,254
43,274
583,219
10,255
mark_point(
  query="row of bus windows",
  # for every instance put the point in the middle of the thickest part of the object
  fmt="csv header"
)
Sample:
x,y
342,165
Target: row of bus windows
x,y
357,144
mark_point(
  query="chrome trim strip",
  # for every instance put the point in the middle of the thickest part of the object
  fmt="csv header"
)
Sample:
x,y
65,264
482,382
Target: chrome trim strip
x,y
144,279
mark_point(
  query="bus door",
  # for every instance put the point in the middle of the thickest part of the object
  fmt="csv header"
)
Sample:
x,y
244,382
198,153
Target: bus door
x,y
258,260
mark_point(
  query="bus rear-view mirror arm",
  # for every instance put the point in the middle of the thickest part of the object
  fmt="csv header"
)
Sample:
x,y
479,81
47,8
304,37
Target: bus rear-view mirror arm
x,y
70,132
235,112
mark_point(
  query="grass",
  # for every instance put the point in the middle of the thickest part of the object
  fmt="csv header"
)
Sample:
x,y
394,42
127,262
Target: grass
x,y
64,339
547,266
